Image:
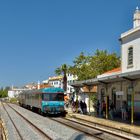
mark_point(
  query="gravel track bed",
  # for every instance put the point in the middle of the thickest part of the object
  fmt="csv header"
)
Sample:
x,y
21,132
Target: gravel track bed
x,y
12,133
27,132
53,129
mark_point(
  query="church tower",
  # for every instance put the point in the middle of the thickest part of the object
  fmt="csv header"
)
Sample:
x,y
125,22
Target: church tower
x,y
130,46
136,19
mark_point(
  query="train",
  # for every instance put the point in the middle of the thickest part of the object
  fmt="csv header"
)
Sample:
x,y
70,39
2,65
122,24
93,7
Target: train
x,y
46,101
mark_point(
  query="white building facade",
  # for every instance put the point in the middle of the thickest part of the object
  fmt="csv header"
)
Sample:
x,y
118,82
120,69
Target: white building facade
x,y
124,84
13,93
130,48
56,81
70,79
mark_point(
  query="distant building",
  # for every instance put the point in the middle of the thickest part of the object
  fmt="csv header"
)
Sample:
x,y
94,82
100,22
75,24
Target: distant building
x,y
31,86
56,81
70,79
14,92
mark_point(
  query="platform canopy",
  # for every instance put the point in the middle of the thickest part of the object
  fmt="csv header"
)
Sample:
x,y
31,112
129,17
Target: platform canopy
x,y
131,76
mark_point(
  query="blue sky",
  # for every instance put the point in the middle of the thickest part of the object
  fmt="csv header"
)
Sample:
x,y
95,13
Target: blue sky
x,y
37,36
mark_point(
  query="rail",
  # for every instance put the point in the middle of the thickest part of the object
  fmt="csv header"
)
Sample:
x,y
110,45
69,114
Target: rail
x,y
108,129
13,123
3,131
29,122
102,134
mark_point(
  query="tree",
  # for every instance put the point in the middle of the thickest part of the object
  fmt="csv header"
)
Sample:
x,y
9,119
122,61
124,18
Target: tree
x,y
63,69
102,61
81,67
3,92
87,67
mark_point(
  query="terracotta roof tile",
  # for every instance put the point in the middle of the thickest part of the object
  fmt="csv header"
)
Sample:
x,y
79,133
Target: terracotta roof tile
x,y
113,70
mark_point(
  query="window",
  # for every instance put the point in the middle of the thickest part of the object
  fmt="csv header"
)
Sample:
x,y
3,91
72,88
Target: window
x,y
57,97
130,56
46,97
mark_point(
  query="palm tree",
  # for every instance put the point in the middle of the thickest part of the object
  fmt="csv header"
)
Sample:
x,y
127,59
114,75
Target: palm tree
x,y
63,69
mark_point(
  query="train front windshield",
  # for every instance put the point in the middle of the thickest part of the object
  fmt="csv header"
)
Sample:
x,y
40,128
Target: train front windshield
x,y
53,97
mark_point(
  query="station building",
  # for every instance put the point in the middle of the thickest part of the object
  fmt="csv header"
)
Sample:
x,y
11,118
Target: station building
x,y
122,84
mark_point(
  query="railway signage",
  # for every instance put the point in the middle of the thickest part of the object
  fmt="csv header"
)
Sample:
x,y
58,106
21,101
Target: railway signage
x,y
119,93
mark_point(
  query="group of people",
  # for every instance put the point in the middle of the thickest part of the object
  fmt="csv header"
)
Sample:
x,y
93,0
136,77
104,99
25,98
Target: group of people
x,y
111,109
83,107
80,106
101,106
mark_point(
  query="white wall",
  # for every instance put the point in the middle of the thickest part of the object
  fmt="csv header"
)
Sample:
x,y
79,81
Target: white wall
x,y
134,41
56,83
70,79
13,93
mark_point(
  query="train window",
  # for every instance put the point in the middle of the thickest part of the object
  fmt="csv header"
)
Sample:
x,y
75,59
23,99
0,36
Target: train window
x,y
46,97
60,97
57,97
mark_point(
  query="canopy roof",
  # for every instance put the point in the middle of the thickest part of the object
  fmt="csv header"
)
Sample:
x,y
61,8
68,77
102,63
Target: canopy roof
x,y
131,76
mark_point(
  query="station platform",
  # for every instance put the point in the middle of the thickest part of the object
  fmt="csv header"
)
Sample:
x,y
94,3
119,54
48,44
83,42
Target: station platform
x,y
115,123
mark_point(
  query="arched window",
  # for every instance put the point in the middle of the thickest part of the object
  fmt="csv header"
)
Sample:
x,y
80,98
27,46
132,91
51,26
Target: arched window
x,y
130,56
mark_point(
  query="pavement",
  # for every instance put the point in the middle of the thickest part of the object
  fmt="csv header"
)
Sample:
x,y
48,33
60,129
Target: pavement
x,y
115,123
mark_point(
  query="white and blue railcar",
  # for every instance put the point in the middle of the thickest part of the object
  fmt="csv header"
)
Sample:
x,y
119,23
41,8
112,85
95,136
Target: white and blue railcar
x,y
46,101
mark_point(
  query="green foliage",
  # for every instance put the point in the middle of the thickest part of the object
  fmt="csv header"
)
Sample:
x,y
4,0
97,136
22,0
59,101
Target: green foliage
x,y
88,67
4,92
103,61
94,97
81,67
13,100
63,69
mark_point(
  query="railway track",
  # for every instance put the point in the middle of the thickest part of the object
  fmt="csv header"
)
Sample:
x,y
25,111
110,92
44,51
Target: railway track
x,y
38,130
90,130
18,132
108,129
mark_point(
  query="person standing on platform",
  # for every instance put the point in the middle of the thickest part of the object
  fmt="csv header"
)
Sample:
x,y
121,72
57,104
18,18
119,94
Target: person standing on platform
x,y
111,111
97,107
124,111
84,108
103,108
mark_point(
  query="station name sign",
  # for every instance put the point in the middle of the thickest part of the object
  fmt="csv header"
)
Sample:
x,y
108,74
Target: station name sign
x,y
119,93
